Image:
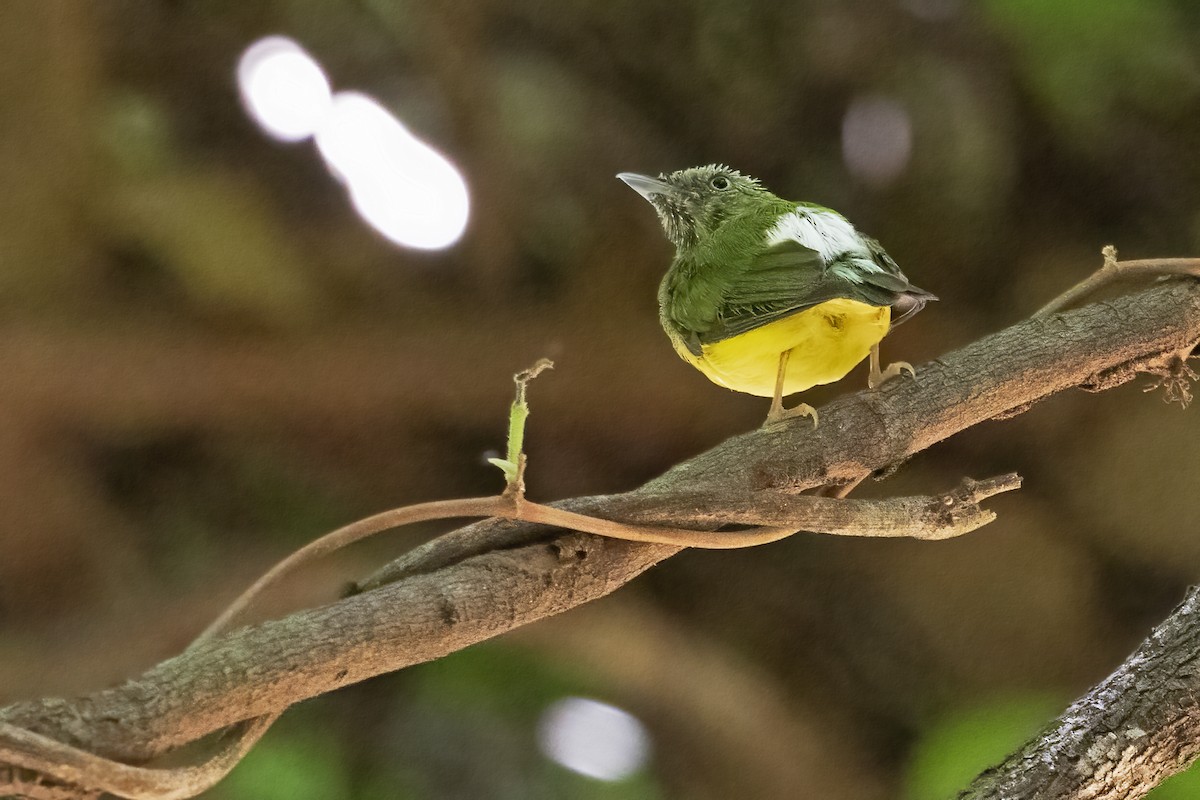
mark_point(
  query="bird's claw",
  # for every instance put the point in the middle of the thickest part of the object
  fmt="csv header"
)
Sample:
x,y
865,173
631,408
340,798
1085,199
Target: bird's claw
x,y
877,377
778,414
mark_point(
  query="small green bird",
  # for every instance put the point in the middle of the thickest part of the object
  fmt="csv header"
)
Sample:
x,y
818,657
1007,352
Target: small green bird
x,y
767,296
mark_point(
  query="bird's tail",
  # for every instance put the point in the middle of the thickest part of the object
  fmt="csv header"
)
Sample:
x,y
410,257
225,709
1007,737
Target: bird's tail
x,y
910,302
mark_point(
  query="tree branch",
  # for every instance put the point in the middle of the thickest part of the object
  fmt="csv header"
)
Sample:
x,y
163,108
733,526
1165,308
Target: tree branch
x,y
1124,737
465,589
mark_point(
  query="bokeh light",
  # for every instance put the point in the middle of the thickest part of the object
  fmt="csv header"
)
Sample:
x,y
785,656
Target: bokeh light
x,y
283,88
400,186
593,738
876,139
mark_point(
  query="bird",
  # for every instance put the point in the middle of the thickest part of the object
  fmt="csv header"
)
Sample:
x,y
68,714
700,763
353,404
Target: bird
x,y
771,297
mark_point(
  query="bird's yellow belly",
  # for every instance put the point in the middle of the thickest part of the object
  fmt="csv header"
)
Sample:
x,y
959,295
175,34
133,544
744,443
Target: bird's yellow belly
x,y
826,342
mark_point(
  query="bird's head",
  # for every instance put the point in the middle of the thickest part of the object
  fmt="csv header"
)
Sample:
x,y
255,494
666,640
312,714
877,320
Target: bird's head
x,y
693,203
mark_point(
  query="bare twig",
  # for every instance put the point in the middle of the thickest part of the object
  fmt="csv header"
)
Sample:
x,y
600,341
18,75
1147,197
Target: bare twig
x,y
349,534
774,515
1114,270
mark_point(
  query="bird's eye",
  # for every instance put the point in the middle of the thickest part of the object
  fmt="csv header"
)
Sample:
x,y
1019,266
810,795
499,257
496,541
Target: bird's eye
x,y
719,183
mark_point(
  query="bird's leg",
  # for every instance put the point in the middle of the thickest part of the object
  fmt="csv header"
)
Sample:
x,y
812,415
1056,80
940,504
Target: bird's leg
x,y
778,413
877,377
775,414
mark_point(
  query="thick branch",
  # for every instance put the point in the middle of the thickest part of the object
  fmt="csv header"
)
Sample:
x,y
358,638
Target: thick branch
x,y
263,669
1124,737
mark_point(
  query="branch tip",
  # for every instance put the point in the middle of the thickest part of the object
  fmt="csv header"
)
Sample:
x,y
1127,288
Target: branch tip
x,y
523,377
990,487
958,510
513,464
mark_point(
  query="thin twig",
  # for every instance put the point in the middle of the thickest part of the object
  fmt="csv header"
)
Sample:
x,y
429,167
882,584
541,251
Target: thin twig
x,y
348,534
790,514
1114,270
504,506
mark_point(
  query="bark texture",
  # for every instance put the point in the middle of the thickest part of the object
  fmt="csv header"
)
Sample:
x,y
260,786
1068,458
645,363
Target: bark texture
x,y
1124,737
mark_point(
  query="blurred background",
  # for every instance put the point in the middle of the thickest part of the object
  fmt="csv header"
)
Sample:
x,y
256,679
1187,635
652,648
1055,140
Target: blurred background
x,y
252,288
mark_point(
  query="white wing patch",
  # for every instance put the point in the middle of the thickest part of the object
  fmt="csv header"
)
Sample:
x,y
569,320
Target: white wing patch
x,y
827,232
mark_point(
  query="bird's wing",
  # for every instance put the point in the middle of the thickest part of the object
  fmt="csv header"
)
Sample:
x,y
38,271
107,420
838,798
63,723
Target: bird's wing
x,y
782,280
788,277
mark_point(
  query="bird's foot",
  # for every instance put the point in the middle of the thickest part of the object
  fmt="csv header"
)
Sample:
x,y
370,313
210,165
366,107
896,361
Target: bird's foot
x,y
877,376
778,414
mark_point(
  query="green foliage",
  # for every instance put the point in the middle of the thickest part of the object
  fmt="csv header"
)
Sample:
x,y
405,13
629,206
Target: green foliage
x,y
1184,786
239,263
470,719
1088,61
134,131
563,783
952,752
461,727
299,763
968,740
495,679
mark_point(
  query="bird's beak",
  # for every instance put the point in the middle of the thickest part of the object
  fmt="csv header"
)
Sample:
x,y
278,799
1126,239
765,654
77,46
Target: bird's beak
x,y
644,185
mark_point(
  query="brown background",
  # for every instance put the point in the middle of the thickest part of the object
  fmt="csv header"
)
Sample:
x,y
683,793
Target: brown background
x,y
207,359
